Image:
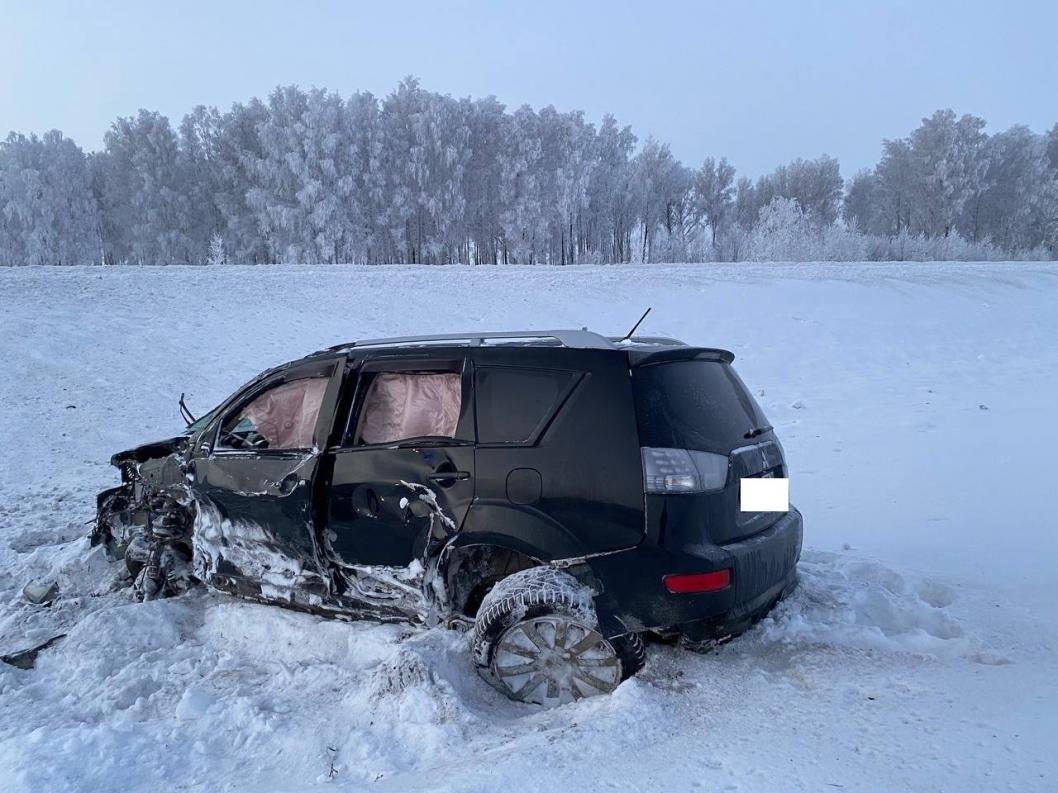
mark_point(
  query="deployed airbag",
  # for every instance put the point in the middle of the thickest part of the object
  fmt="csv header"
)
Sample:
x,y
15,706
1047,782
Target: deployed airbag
x,y
286,415
402,405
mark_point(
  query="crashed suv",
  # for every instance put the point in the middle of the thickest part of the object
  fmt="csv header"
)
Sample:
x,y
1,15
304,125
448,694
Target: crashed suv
x,y
561,495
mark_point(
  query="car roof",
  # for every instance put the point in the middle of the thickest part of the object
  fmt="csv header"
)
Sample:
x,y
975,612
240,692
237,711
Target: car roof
x,y
639,348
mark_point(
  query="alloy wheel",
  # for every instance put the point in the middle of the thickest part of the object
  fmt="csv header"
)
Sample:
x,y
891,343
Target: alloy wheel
x,y
552,660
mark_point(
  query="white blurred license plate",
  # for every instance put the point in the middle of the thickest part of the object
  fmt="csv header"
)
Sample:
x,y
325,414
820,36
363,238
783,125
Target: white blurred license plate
x,y
759,494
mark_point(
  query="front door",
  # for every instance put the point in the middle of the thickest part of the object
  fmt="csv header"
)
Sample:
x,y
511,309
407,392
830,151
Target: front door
x,y
402,478
254,476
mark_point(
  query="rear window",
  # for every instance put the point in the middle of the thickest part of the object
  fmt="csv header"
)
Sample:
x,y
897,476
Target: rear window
x,y
694,405
513,403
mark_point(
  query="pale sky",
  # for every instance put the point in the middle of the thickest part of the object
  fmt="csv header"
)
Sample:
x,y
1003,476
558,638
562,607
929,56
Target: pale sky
x,y
757,82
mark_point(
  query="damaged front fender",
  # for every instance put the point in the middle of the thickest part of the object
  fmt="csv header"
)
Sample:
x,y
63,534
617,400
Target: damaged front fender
x,y
145,521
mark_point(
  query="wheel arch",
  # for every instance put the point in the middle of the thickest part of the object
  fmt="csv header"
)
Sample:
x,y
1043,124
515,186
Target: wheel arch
x,y
525,532
471,567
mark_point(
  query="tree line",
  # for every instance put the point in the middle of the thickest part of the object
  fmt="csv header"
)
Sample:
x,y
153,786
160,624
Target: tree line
x,y
420,177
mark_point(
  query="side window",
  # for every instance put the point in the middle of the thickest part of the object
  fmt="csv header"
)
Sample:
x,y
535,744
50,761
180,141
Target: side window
x,y
399,406
512,403
283,417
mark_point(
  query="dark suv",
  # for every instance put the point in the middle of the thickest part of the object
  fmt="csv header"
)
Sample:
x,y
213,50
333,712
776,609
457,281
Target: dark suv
x,y
561,495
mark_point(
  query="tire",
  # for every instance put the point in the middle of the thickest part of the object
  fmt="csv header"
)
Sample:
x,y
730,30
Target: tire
x,y
536,639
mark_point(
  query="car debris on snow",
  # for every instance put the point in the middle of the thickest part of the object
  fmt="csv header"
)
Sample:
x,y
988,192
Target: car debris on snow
x,y
40,593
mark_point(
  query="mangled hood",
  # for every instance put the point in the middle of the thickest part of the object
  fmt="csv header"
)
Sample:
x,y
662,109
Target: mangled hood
x,y
150,451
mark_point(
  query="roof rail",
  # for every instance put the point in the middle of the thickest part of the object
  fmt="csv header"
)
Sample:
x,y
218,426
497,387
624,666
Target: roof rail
x,y
574,339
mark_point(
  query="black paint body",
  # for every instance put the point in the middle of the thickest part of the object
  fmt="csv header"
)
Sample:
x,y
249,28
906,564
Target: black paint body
x,y
570,493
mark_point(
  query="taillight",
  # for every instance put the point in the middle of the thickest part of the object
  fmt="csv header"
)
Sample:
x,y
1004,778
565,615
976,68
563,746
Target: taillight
x,y
680,584
683,471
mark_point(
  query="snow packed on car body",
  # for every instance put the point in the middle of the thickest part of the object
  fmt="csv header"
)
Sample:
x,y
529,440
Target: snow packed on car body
x,y
561,494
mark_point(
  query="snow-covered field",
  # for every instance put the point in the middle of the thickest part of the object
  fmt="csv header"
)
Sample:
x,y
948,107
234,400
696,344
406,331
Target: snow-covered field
x,y
916,404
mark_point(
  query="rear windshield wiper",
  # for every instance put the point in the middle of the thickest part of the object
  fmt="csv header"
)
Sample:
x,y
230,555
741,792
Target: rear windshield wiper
x,y
753,433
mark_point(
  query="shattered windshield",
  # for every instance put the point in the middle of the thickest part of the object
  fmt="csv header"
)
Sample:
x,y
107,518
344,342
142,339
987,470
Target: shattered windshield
x,y
199,423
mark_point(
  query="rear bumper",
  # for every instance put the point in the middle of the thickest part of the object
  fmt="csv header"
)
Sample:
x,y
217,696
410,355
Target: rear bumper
x,y
763,569
763,575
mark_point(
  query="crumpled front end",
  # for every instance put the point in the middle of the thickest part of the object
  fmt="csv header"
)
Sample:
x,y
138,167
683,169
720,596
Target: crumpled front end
x,y
146,521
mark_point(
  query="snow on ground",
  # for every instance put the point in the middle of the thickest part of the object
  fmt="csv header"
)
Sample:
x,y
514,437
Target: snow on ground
x,y
916,405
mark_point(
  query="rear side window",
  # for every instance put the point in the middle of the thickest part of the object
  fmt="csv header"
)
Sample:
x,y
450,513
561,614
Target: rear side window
x,y
400,406
513,403
694,405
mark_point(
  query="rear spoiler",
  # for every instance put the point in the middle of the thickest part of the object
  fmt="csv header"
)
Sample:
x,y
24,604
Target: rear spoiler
x,y
644,358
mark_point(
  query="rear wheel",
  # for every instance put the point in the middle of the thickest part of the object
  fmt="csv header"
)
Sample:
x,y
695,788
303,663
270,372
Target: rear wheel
x,y
536,638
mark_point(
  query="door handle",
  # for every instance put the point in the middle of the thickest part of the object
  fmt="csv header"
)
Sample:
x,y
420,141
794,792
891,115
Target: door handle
x,y
449,476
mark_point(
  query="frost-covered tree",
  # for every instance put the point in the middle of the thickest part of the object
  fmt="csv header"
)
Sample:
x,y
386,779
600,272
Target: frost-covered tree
x,y
48,213
236,150
610,210
217,254
524,224
563,172
714,195
309,176
424,154
896,198
303,190
815,185
1015,204
1052,149
783,232
483,195
947,166
373,240
201,178
660,187
860,205
145,193
746,209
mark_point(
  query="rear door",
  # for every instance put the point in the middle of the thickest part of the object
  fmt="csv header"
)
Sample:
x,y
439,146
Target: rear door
x,y
402,476
254,472
558,458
